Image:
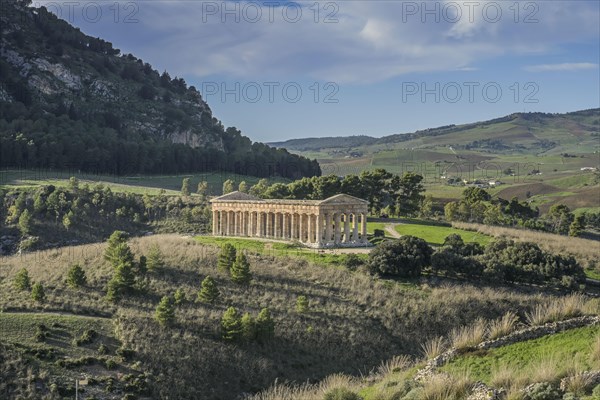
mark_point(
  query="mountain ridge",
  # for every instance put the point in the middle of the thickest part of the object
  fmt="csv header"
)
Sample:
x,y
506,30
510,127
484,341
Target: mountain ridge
x,y
315,144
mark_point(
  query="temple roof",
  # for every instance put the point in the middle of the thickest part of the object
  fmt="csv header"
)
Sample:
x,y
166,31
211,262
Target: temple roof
x,y
243,197
237,196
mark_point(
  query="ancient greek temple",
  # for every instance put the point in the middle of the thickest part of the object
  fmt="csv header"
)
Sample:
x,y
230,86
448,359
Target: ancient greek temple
x,y
339,221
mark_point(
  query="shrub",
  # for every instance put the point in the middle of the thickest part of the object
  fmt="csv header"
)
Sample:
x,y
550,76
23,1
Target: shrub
x,y
405,257
352,262
379,233
179,296
103,349
301,304
209,293
37,293
341,394
22,281
76,276
542,391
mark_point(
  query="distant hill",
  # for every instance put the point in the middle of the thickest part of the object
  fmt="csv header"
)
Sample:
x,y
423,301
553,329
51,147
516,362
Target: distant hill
x,y
71,101
515,133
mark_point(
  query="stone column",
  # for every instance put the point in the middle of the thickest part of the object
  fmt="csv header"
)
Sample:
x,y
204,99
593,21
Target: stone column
x,y
328,226
227,222
284,232
337,228
300,227
310,226
364,227
355,228
215,217
277,225
346,228
221,223
294,227
319,240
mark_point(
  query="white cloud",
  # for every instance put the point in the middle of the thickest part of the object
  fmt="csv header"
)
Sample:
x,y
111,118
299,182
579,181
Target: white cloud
x,y
565,67
372,40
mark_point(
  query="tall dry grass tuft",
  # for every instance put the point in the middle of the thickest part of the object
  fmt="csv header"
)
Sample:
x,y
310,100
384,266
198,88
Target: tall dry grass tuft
x,y
579,383
394,365
446,387
545,370
307,391
469,336
557,309
502,326
595,352
503,376
434,347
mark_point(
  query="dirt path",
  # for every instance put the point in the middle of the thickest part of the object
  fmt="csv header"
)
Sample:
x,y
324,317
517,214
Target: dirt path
x,y
390,228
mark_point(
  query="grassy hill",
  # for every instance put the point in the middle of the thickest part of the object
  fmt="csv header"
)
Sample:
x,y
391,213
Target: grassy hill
x,y
353,322
536,156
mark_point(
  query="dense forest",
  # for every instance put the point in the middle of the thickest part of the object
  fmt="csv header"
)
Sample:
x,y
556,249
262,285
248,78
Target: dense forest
x,y
71,101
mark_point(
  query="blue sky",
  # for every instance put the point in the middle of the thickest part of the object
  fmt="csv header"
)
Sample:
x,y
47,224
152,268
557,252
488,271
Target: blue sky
x,y
278,70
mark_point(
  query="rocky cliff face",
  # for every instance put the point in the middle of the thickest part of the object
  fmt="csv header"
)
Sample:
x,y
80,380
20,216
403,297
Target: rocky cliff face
x,y
70,74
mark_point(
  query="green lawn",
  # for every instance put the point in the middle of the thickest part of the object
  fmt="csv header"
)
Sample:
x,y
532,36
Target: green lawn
x,y
567,349
278,249
435,234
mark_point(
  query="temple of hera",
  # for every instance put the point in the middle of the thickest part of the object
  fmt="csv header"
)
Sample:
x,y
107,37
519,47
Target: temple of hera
x,y
339,221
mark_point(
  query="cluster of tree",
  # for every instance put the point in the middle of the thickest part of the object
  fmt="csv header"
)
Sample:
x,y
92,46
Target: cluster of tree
x,y
246,328
95,210
86,129
477,205
235,264
500,261
386,192
22,282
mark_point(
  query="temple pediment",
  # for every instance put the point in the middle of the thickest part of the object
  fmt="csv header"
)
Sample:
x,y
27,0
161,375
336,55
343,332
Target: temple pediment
x,y
343,199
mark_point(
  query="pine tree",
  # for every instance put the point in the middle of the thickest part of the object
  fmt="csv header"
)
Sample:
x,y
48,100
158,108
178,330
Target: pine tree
x,y
37,293
22,281
240,270
185,187
154,261
248,327
117,250
265,326
209,293
202,189
165,314
76,276
243,187
25,222
226,257
231,324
